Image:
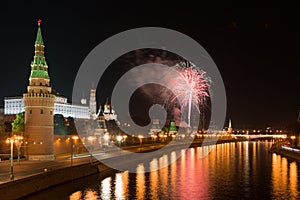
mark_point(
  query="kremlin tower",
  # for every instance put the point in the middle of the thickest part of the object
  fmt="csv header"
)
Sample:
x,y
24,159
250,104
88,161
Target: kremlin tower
x,y
106,107
93,105
230,129
39,106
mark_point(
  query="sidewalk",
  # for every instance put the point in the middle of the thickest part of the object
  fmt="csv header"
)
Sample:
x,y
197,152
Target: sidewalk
x,y
29,168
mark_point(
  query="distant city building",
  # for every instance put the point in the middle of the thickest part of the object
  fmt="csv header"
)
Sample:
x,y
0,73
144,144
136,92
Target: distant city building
x,y
108,113
155,128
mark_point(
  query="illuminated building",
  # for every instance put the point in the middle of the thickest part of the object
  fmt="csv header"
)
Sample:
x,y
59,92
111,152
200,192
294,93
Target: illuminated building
x,y
39,107
93,108
108,113
15,105
172,129
155,128
230,129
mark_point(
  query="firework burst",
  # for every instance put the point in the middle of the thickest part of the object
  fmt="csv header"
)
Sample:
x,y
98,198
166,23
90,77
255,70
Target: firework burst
x,y
192,88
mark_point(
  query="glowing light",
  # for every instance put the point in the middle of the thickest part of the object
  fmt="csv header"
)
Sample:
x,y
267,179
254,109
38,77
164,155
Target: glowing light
x,y
140,136
119,138
106,137
91,138
75,137
293,137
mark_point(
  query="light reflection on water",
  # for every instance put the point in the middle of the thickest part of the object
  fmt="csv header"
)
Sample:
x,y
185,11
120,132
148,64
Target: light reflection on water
x,y
243,170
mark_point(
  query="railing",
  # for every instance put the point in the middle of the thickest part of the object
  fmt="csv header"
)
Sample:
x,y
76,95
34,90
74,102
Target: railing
x,y
290,149
259,136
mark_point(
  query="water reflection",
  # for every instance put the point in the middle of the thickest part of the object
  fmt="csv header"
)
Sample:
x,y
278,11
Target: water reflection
x,y
140,181
121,184
154,179
76,195
91,195
285,183
242,170
106,188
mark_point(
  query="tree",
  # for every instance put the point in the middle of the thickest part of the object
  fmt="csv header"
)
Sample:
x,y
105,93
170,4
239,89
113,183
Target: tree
x,y
60,125
18,124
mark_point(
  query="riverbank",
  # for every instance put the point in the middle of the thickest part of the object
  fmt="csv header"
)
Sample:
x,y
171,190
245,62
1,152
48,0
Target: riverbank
x,y
32,184
288,152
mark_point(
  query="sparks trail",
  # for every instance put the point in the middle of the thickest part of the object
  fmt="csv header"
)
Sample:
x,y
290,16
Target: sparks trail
x,y
192,89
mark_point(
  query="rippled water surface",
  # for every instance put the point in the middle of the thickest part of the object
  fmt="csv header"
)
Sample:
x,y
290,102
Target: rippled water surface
x,y
243,170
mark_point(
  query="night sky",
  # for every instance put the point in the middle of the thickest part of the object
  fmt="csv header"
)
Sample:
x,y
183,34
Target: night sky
x,y
255,49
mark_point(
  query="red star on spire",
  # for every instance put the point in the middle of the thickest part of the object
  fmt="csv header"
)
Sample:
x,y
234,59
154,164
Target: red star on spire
x,y
39,22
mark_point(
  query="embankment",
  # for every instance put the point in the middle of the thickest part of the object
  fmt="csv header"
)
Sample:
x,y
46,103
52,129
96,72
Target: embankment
x,y
23,187
277,148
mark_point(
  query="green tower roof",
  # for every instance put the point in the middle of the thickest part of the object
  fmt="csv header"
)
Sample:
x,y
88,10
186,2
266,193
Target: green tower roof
x,y
39,67
172,126
39,38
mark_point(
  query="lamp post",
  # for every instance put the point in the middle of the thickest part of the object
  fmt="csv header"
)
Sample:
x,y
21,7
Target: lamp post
x,y
73,146
11,159
106,139
119,139
293,138
124,138
18,141
141,140
11,141
91,139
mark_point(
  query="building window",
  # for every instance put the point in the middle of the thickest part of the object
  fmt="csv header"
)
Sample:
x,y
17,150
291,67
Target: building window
x,y
41,91
30,111
42,111
51,112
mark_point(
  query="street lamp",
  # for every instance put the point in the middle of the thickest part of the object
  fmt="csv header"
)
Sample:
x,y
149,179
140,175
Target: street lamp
x,y
141,140
293,138
11,141
124,138
18,140
119,139
74,137
91,139
106,138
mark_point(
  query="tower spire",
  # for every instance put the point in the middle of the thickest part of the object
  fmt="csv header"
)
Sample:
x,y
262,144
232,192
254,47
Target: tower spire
x,y
230,129
39,67
39,38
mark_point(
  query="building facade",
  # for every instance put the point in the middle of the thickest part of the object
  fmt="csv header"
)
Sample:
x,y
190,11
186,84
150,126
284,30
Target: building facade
x,y
15,105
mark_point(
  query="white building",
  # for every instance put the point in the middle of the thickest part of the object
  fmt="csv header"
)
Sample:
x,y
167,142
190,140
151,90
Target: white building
x,y
15,105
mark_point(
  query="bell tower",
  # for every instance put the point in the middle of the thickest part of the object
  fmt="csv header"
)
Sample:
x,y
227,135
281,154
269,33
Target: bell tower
x,y
230,129
39,106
